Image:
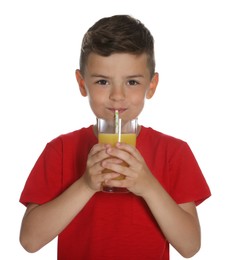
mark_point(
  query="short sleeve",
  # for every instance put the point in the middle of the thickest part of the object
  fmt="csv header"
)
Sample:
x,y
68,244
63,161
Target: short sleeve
x,y
187,182
45,180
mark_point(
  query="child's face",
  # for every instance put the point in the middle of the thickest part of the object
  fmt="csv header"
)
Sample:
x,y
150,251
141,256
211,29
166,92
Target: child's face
x,y
120,82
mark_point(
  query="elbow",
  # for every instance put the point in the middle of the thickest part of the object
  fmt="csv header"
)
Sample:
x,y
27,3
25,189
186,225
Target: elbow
x,y
29,247
28,244
191,250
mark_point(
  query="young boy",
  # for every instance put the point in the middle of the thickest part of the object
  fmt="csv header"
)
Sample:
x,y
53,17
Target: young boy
x,y
63,191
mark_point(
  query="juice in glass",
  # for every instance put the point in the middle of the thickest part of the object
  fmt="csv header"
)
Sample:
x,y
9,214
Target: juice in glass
x,y
107,135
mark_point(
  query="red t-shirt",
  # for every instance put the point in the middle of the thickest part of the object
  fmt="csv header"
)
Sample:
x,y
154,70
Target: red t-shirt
x,y
114,226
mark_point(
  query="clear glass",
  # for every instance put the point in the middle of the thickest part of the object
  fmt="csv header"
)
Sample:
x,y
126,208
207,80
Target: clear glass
x,y
110,133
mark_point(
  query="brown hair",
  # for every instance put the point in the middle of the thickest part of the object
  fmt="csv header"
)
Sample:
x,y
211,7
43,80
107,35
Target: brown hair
x,y
118,34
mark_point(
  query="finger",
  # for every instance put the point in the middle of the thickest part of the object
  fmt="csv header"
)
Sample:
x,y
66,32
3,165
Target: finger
x,y
130,149
121,154
121,168
109,176
112,160
97,148
96,156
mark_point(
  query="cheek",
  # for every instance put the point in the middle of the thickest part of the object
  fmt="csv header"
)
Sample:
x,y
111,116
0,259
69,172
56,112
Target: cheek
x,y
93,102
137,104
97,98
96,101
138,99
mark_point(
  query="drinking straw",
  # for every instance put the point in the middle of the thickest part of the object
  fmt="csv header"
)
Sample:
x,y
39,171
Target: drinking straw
x,y
118,125
116,121
119,130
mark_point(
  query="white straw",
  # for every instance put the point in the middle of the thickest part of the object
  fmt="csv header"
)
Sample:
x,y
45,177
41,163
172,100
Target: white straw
x,y
119,130
116,121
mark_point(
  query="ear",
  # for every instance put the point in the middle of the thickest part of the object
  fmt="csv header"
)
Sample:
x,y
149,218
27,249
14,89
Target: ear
x,y
153,85
81,83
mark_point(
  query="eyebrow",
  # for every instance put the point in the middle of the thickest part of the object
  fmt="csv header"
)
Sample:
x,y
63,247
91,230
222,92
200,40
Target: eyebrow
x,y
106,77
99,76
135,76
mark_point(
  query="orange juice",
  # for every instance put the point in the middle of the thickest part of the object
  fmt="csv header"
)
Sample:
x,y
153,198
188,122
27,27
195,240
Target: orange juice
x,y
112,139
111,132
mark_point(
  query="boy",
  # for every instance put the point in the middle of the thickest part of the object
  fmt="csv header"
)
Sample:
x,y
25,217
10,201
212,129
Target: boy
x,y
62,193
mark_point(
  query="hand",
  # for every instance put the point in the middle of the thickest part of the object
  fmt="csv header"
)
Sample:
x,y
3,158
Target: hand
x,y
93,176
138,178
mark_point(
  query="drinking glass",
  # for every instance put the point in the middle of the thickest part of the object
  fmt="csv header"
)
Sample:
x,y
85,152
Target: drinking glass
x,y
111,132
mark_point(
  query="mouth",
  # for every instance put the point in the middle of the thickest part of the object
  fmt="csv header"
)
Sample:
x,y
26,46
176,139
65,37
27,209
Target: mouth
x,y
120,110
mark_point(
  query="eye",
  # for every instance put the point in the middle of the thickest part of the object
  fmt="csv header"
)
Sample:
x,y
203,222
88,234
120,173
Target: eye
x,y
102,82
133,82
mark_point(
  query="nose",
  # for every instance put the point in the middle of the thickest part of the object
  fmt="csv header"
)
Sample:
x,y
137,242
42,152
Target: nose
x,y
117,93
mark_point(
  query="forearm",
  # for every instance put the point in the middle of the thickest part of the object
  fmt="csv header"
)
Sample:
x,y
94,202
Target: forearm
x,y
44,222
179,223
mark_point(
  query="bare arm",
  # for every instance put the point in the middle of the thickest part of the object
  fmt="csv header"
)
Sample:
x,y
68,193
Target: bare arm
x,y
42,223
179,223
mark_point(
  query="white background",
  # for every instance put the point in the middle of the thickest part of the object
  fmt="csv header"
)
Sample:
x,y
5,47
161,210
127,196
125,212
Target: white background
x,y
39,98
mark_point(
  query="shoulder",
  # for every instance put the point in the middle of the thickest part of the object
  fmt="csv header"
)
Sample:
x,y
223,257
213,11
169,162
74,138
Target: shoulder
x,y
152,135
153,141
73,138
